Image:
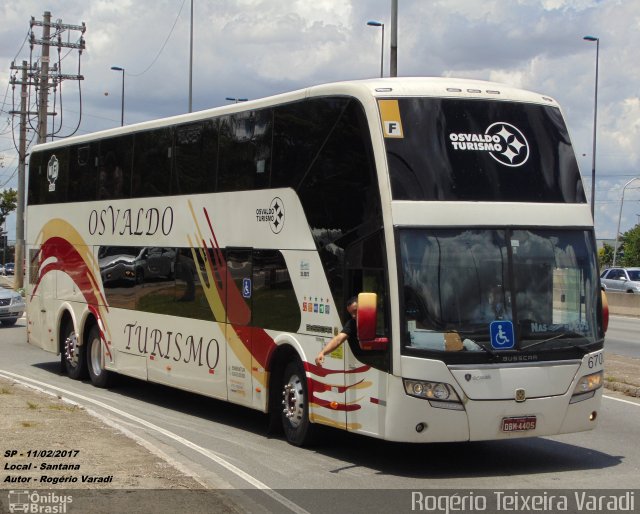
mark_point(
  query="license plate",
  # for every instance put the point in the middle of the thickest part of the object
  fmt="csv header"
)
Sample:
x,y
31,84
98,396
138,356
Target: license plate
x,y
519,424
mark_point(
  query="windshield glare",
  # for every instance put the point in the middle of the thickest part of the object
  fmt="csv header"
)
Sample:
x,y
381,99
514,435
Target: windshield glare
x,y
492,290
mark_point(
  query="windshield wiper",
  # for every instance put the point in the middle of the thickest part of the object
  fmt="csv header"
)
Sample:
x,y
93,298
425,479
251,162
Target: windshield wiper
x,y
560,336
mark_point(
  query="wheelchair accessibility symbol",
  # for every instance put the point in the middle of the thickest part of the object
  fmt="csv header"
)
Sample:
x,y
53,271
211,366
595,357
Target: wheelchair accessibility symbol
x,y
246,287
502,337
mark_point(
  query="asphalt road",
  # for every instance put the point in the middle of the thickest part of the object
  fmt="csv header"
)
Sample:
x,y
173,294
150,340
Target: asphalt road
x,y
227,445
623,336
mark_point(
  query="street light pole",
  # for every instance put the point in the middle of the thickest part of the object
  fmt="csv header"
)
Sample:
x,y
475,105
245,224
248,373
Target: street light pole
x,y
379,24
595,120
615,249
393,57
118,68
235,100
191,61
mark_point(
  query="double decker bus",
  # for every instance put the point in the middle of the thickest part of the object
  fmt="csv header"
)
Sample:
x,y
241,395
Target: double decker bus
x,y
214,252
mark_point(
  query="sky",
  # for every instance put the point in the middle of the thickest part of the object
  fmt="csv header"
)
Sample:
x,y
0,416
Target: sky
x,y
257,48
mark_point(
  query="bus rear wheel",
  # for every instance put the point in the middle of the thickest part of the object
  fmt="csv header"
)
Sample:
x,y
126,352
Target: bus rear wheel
x,y
298,430
100,377
73,354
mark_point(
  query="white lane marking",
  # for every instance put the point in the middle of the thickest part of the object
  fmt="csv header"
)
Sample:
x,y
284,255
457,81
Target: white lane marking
x,y
621,400
203,451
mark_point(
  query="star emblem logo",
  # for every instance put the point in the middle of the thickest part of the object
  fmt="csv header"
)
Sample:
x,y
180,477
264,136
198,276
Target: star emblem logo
x,y
278,215
515,148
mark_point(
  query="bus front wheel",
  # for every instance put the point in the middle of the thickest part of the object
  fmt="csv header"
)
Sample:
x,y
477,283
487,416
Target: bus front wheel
x,y
72,354
295,405
95,359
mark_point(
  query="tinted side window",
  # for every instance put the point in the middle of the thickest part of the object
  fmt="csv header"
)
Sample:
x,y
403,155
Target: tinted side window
x,y
114,168
301,130
141,278
48,176
245,151
118,272
274,301
616,274
82,173
36,170
152,163
193,283
195,157
339,191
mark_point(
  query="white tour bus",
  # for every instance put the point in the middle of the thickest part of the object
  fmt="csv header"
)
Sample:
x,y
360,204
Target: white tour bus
x,y
214,252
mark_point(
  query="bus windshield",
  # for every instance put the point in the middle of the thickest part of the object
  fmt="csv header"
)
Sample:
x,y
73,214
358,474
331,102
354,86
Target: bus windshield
x,y
472,289
480,150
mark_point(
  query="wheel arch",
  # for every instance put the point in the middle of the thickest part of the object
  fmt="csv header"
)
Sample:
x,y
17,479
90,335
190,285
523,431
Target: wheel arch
x,y
283,354
81,324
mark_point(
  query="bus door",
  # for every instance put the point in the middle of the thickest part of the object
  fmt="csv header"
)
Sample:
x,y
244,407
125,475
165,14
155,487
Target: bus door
x,y
366,371
239,291
36,308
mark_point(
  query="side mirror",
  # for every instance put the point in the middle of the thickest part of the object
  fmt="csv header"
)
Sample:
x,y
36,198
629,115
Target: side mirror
x,y
367,321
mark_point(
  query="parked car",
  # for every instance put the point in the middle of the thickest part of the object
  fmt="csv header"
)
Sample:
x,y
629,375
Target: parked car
x,y
12,306
9,268
1,269
625,280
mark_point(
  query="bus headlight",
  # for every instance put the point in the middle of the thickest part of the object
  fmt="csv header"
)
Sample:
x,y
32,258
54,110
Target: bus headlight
x,y
587,386
439,394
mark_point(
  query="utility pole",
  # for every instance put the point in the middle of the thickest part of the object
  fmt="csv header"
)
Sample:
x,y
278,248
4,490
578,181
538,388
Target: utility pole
x,y
31,76
44,77
46,42
22,153
393,64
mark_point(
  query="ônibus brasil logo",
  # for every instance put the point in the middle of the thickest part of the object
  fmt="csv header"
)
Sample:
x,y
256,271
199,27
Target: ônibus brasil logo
x,y
504,142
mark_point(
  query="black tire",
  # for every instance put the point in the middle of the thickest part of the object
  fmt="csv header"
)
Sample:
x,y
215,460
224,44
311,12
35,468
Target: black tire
x,y
298,430
9,322
100,377
73,354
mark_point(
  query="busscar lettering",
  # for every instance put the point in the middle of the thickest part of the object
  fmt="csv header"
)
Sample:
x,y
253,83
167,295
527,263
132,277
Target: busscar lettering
x,y
147,222
197,349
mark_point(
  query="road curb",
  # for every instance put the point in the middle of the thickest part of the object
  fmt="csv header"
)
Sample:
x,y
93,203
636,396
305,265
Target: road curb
x,y
626,389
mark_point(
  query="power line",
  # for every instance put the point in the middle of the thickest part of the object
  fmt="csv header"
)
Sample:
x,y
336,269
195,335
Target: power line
x,y
163,45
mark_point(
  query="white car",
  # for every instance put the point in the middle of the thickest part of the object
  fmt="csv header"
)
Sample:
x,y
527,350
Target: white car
x,y
12,307
624,280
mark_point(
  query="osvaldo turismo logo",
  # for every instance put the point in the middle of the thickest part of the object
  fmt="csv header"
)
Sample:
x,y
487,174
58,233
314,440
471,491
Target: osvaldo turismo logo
x,y
504,142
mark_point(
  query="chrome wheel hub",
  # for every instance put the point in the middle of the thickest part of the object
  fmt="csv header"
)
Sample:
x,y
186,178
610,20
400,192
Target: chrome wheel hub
x,y
71,349
293,400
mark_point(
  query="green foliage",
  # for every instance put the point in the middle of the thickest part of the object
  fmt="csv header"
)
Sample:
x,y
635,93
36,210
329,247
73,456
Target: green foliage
x,y
631,248
605,256
8,203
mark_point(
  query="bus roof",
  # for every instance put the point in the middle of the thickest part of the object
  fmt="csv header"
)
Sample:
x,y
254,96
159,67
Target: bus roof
x,y
439,87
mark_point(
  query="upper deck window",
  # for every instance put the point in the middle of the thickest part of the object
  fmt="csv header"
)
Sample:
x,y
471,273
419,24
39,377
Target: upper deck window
x,y
478,150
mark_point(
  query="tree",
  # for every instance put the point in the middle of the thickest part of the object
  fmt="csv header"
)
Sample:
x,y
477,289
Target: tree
x,y
8,203
631,247
605,256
